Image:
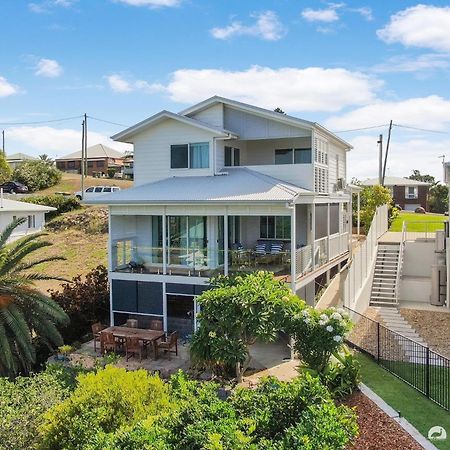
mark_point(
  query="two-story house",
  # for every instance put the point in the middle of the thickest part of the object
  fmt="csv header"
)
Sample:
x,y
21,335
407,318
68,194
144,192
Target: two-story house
x,y
220,188
407,194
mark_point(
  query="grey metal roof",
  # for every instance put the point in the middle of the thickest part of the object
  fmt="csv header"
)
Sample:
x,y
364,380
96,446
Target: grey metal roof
x,y
95,151
12,205
19,157
395,181
233,185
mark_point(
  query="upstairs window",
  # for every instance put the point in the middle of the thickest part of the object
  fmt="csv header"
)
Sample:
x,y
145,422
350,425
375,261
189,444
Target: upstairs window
x,y
189,156
411,192
232,156
293,156
275,227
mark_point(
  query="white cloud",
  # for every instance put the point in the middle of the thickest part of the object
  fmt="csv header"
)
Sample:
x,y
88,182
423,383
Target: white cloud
x,y
151,3
423,26
405,155
292,89
119,84
47,6
364,11
48,68
321,15
431,112
54,141
267,27
6,88
422,63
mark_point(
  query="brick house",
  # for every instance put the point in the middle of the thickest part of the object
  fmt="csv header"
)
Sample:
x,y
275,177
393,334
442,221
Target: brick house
x,y
408,194
99,159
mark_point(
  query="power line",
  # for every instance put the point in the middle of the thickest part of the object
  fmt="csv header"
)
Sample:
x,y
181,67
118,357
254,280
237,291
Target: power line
x,y
107,121
364,128
420,129
41,122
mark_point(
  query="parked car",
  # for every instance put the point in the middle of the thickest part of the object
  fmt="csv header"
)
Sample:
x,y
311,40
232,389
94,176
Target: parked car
x,y
14,187
95,191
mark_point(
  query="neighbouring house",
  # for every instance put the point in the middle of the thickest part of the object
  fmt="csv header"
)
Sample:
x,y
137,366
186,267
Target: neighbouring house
x,y
224,187
99,159
408,194
127,170
34,215
16,159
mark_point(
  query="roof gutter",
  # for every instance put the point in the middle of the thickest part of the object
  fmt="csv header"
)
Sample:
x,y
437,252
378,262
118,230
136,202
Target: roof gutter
x,y
215,139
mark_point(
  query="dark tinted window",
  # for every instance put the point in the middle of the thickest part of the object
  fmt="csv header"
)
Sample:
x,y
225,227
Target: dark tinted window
x,y
283,156
179,156
302,156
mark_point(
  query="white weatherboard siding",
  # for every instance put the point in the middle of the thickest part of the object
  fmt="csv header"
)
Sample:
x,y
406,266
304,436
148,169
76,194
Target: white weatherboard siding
x,y
251,126
152,151
6,217
212,115
298,174
336,166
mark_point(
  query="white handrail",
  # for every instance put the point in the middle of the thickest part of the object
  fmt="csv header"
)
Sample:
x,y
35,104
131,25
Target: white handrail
x,y
400,262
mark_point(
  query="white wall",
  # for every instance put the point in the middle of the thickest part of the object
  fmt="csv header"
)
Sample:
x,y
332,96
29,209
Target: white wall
x,y
6,217
418,257
250,126
152,151
212,115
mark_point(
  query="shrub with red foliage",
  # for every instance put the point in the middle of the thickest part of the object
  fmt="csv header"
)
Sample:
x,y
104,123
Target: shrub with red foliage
x,y
86,301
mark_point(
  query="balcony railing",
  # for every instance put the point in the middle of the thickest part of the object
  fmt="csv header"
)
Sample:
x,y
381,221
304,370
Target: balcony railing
x,y
247,260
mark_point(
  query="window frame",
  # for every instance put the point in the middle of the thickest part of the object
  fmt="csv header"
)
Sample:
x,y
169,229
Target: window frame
x,y
234,151
274,222
293,152
188,156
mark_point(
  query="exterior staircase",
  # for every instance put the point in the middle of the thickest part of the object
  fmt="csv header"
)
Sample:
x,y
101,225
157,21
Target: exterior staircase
x,y
386,275
394,321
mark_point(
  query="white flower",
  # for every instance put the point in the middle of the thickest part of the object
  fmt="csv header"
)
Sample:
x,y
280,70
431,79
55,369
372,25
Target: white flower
x,y
324,317
336,316
305,313
337,338
322,323
212,334
307,320
329,328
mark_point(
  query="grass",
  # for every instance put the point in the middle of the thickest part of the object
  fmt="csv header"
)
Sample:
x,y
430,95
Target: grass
x,y
415,407
419,222
71,183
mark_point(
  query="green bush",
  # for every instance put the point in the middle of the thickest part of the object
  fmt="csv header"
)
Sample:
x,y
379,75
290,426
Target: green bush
x,y
37,175
23,403
102,403
62,203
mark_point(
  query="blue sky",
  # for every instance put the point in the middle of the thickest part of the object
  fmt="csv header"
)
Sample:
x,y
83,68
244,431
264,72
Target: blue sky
x,y
346,65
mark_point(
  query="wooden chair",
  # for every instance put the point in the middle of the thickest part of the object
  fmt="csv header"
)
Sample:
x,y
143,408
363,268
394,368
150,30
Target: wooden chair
x,y
96,328
156,324
133,347
108,342
167,345
132,323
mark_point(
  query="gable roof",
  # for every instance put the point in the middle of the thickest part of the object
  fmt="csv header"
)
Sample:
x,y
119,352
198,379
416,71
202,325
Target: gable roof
x,y
285,118
8,205
95,151
19,157
124,135
395,181
233,185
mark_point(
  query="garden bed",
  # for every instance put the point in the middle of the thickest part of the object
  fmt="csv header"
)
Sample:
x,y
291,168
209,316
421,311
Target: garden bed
x,y
376,429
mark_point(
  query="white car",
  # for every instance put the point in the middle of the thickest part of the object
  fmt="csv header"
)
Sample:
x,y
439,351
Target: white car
x,y
95,191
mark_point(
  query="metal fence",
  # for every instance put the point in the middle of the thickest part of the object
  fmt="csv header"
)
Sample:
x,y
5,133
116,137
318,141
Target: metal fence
x,y
414,363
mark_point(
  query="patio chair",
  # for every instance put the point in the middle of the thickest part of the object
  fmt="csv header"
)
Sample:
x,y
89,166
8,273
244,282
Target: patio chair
x,y
134,346
132,323
168,344
156,324
108,342
96,328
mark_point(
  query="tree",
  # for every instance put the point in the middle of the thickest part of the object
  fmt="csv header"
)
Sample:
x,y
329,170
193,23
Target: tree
x,y
416,175
26,315
37,174
46,159
235,313
438,198
279,110
5,169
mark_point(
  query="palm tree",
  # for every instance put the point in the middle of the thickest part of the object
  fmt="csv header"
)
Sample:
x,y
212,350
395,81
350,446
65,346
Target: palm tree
x,y
25,313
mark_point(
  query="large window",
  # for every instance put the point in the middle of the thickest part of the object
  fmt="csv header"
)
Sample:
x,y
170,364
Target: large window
x,y
293,156
411,192
232,156
192,156
275,227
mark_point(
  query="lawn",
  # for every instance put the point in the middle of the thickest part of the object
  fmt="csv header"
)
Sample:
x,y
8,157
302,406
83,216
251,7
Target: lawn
x,y
71,183
415,407
419,222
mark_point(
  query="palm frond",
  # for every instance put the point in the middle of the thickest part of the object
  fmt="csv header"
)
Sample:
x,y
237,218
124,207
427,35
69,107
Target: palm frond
x,y
29,265
47,331
6,356
6,234
18,245
40,276
43,305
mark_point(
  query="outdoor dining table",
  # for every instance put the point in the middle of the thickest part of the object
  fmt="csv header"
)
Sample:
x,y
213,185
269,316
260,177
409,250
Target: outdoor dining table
x,y
145,335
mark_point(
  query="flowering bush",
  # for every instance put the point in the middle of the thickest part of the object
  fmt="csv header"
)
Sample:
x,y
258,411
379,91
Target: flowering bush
x,y
319,334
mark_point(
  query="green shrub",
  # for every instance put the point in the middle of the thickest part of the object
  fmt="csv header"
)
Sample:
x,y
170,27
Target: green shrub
x,y
319,334
102,403
23,403
37,175
62,203
85,301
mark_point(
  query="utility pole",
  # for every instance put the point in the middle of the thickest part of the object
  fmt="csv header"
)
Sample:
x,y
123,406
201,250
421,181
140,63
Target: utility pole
x,y
387,150
85,144
380,160
82,160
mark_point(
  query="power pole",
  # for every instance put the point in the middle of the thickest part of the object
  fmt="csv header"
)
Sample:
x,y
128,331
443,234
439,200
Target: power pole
x,y
85,144
387,151
82,158
380,160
